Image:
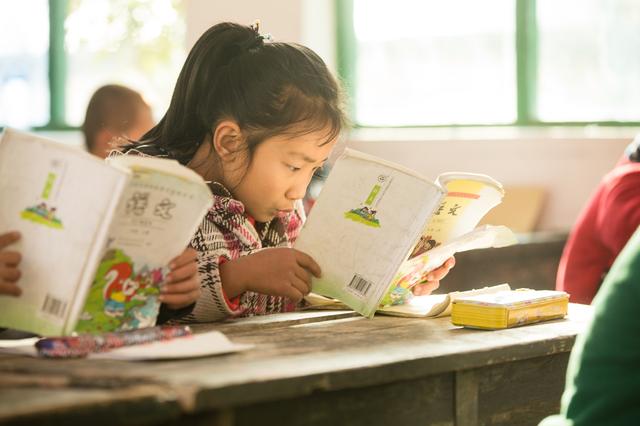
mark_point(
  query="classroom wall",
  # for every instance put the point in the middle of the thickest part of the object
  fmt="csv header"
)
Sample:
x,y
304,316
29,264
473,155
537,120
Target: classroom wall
x,y
569,163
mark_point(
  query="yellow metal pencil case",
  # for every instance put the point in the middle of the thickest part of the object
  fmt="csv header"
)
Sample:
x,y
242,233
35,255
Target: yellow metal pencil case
x,y
509,308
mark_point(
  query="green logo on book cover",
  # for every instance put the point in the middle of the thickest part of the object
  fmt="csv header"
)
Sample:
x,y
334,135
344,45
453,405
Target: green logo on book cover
x,y
366,213
42,213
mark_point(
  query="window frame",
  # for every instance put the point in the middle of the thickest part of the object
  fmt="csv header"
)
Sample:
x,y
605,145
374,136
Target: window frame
x,y
526,70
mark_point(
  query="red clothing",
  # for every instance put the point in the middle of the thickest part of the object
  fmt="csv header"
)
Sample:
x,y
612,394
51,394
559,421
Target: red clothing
x,y
601,231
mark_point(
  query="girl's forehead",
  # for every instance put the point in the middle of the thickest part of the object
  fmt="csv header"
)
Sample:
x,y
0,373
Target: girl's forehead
x,y
310,145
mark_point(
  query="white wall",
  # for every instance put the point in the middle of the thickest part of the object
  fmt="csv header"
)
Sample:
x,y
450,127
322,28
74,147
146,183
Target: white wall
x,y
569,168
309,22
569,164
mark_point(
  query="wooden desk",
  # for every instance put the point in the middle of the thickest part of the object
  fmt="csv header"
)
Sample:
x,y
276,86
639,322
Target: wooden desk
x,y
312,368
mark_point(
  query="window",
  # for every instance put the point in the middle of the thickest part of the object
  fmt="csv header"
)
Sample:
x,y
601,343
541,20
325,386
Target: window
x,y
81,45
494,62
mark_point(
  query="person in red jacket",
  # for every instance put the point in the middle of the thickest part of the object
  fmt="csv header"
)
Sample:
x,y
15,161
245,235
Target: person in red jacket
x,y
603,228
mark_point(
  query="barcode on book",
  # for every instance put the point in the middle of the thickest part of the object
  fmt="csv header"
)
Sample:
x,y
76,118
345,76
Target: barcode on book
x,y
359,285
53,306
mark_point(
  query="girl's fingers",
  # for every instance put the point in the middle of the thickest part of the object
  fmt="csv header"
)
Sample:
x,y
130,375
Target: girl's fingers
x,y
441,272
186,286
182,273
8,239
177,301
426,288
10,258
300,285
304,275
187,256
9,289
9,274
294,294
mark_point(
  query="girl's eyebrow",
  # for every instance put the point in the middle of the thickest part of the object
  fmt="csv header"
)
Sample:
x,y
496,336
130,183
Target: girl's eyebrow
x,y
305,158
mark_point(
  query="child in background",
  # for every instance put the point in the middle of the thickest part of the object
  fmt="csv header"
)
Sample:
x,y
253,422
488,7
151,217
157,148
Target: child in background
x,y
256,119
603,376
114,112
603,228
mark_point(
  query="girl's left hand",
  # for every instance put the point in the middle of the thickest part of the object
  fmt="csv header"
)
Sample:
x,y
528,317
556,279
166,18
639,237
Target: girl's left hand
x,y
182,287
432,281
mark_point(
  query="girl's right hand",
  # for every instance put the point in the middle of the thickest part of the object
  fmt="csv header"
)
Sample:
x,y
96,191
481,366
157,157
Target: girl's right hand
x,y
279,271
9,261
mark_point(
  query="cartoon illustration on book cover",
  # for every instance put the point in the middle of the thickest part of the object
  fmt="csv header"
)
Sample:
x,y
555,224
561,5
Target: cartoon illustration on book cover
x,y
366,213
122,296
43,212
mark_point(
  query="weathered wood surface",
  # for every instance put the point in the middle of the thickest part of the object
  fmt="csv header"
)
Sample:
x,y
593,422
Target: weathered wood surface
x,y
318,367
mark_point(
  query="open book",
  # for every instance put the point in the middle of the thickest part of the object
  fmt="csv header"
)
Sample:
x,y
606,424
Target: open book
x,y
96,236
429,306
377,228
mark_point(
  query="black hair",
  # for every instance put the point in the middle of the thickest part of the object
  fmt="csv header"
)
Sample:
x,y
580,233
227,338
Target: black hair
x,y
266,88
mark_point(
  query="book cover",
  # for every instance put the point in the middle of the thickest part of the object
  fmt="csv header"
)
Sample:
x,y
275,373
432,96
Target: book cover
x,y
158,213
373,215
60,199
367,217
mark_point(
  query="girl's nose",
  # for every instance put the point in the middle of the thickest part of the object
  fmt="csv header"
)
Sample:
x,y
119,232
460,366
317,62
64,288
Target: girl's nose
x,y
298,190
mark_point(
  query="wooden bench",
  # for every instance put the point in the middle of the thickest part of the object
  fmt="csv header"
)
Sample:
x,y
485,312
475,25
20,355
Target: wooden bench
x,y
312,368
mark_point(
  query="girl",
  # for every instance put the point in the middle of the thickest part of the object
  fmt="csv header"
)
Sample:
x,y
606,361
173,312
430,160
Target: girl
x,y
257,120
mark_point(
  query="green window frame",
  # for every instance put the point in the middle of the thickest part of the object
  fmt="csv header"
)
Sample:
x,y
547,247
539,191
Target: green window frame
x,y
526,68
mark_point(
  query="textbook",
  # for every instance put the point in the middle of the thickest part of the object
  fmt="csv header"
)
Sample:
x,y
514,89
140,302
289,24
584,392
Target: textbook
x,y
428,306
377,228
96,236
509,308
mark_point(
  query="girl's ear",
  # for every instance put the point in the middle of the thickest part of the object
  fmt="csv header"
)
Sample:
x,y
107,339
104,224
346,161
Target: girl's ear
x,y
227,140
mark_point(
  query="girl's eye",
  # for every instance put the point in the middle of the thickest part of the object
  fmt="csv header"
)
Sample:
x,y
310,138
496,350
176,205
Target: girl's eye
x,y
293,168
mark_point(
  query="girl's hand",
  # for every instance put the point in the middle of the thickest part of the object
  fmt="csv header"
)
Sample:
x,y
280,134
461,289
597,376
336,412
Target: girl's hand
x,y
182,287
281,271
9,261
432,281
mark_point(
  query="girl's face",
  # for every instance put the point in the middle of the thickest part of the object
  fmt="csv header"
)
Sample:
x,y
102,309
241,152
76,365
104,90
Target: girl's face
x,y
279,173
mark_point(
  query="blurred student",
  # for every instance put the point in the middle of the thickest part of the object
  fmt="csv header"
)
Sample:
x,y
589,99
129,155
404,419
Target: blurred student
x,y
602,229
603,377
115,112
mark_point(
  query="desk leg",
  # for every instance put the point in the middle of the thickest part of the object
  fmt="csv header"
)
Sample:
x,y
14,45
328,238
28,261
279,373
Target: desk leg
x,y
466,396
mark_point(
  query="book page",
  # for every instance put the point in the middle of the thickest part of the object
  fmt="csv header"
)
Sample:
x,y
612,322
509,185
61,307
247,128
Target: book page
x,y
362,226
412,271
436,305
156,218
59,198
469,197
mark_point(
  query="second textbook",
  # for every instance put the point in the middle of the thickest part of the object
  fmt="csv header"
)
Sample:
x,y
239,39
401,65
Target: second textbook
x,y
378,228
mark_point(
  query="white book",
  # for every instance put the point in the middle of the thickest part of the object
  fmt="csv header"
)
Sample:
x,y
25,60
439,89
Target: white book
x,y
377,228
96,236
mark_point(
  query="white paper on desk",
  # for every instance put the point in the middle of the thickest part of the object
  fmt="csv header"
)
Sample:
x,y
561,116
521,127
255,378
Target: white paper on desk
x,y
197,345
19,346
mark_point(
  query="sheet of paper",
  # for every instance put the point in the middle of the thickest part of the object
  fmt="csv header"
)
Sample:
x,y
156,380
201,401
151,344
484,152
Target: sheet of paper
x,y
197,345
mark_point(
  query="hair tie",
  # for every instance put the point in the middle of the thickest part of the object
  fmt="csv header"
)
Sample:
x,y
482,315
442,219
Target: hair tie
x,y
256,29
